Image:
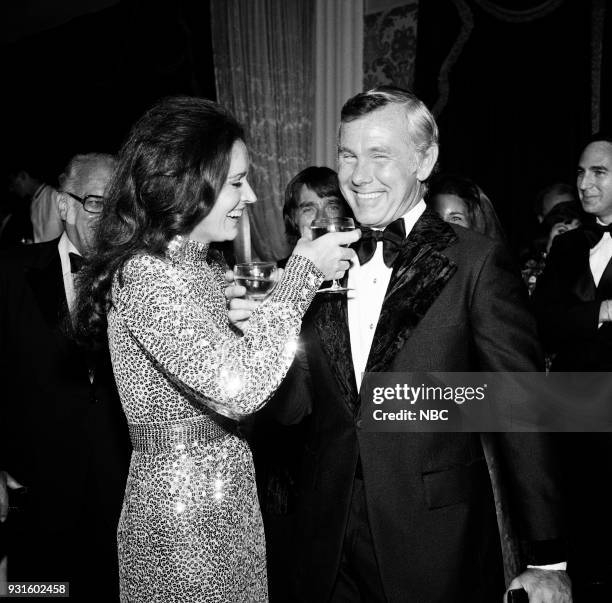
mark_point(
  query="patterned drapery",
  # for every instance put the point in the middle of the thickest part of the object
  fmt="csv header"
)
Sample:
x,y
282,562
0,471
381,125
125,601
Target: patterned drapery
x,y
263,67
389,50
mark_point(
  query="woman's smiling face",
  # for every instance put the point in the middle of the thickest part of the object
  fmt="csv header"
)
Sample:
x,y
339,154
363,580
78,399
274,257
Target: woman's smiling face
x,y
221,223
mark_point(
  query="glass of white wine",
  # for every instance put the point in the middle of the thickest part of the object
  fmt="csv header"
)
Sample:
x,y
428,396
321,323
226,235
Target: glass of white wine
x,y
323,226
258,278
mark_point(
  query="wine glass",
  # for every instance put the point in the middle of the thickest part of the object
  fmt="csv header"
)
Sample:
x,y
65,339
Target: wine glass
x,y
258,278
324,225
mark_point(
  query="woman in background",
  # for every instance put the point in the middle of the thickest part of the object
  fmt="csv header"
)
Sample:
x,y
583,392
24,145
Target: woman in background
x,y
563,217
190,528
461,201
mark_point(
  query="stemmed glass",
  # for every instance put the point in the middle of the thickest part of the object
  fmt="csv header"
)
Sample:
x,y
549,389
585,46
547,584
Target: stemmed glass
x,y
323,226
258,278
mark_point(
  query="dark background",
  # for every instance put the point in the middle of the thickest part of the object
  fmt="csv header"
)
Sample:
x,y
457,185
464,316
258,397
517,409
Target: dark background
x,y
517,114
519,98
78,86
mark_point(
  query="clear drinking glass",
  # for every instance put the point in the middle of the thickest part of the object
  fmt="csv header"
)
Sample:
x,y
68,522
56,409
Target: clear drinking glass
x,y
258,278
323,226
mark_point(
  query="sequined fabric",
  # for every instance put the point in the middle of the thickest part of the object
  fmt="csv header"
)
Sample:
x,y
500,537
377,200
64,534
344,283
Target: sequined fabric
x,y
191,528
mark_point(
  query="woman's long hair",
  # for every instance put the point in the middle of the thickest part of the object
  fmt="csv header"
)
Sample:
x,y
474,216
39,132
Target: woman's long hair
x,y
481,213
170,171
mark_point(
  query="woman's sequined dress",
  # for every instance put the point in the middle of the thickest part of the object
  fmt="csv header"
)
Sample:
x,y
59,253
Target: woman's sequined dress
x,y
191,529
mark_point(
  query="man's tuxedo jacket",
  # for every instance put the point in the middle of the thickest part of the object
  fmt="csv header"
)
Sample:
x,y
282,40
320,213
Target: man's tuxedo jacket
x,y
62,436
455,303
567,305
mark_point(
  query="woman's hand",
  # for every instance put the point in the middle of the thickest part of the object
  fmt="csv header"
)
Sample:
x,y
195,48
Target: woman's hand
x,y
330,253
560,228
239,309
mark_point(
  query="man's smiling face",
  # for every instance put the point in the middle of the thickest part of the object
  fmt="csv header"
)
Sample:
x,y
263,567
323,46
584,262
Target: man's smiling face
x,y
379,168
594,180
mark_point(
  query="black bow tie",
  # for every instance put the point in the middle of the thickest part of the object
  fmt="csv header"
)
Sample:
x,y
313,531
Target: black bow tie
x,y
76,262
392,238
595,231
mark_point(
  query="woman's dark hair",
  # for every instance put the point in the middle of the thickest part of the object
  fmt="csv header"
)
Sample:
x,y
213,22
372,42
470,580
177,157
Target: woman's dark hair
x,y
564,212
556,188
321,180
170,171
481,213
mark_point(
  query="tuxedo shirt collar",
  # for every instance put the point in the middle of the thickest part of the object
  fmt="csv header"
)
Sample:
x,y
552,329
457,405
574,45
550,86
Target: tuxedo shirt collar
x,y
65,247
364,302
410,217
600,254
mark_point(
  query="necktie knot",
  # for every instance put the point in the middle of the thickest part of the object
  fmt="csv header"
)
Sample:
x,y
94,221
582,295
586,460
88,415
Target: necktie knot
x,y
392,238
76,262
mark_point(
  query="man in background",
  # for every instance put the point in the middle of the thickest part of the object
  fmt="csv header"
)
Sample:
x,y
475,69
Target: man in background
x,y
312,194
64,437
573,302
34,210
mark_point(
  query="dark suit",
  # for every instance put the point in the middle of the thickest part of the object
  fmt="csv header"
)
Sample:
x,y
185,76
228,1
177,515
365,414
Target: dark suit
x,y
567,306
63,437
454,303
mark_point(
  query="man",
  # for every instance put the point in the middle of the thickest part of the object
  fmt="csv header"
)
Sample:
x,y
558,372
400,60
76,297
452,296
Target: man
x,y
573,301
312,194
35,216
64,436
410,517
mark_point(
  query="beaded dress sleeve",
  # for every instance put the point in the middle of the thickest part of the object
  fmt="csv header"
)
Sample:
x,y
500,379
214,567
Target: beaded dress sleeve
x,y
188,339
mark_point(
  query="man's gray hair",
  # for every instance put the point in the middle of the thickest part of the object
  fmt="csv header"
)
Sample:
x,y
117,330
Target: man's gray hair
x,y
80,164
422,127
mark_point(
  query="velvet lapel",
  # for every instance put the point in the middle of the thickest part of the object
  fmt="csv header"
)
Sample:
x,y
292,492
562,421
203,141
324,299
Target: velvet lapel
x,y
420,272
584,286
46,282
331,323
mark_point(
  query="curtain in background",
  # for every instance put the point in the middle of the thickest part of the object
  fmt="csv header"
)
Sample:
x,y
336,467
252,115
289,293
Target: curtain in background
x,y
339,70
263,65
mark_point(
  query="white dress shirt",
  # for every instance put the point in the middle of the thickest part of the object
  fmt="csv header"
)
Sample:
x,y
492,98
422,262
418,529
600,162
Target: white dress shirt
x,y
600,255
368,284
65,247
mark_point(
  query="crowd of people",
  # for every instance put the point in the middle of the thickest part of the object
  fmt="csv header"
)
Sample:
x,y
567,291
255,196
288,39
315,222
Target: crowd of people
x,y
167,438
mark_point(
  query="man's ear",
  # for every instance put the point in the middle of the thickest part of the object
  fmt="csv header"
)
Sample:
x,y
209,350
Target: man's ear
x,y
62,205
427,163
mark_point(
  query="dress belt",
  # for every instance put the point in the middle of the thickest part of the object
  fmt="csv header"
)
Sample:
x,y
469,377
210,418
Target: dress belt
x,y
174,436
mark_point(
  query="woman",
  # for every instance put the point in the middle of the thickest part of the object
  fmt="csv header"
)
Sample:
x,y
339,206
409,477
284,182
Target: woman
x,y
190,528
563,217
461,201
